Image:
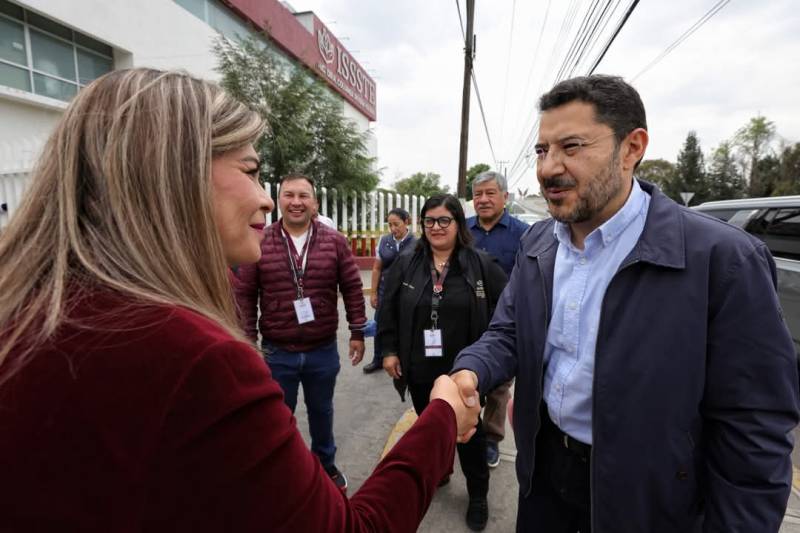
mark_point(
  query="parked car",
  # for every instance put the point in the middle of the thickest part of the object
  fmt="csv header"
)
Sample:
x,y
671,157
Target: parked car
x,y
528,218
776,221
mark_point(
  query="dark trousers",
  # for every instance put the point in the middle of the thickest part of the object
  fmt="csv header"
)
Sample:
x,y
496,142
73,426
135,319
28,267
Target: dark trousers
x,y
316,370
471,455
559,501
377,357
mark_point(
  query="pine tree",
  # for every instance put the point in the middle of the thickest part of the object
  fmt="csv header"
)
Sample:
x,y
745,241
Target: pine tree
x,y
725,179
690,174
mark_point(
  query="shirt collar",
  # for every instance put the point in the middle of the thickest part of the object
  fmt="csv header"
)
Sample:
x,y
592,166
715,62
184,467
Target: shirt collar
x,y
505,220
611,228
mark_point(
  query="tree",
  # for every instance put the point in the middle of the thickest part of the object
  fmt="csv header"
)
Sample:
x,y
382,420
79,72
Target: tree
x,y
789,182
725,180
307,131
658,171
753,144
421,183
690,174
472,172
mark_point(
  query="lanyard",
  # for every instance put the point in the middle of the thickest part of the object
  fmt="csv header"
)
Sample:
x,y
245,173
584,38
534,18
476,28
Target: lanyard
x,y
297,262
437,280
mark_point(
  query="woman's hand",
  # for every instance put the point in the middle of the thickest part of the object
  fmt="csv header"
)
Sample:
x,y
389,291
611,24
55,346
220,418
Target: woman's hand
x,y
373,300
466,417
391,363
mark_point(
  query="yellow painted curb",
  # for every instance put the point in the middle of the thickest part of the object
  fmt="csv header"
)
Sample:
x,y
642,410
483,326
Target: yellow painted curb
x,y
403,424
795,478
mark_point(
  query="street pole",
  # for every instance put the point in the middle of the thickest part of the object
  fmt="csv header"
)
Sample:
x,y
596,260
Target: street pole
x,y
468,56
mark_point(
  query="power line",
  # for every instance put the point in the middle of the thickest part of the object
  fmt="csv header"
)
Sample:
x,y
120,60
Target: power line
x,y
685,35
508,71
477,92
622,22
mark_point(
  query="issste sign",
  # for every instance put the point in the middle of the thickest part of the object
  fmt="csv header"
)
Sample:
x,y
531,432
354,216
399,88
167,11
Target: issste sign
x,y
343,72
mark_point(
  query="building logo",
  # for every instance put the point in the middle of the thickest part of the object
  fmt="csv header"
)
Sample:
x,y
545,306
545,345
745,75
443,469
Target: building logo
x,y
326,47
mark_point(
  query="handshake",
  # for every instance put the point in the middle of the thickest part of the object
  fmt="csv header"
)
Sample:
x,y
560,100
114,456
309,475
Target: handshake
x,y
461,391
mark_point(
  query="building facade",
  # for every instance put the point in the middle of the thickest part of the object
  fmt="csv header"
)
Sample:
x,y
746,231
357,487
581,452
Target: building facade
x,y
49,49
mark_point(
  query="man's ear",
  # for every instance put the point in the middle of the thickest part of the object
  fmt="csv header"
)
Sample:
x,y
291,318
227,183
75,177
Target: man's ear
x,y
633,148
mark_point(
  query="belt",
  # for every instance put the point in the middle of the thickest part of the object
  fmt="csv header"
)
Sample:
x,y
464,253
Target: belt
x,y
580,448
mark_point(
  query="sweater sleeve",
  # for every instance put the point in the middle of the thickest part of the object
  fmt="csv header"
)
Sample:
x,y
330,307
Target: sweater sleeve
x,y
246,287
232,459
351,289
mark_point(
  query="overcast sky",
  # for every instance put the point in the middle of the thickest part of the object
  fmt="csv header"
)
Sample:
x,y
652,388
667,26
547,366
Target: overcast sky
x,y
742,62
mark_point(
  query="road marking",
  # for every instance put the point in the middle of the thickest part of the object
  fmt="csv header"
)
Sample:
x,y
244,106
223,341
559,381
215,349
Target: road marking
x,y
399,429
796,480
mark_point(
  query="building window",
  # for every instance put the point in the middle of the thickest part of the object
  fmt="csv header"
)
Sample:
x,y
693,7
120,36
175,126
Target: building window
x,y
219,17
41,56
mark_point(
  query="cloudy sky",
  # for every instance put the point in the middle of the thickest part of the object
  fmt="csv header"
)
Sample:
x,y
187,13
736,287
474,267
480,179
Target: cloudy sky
x,y
741,62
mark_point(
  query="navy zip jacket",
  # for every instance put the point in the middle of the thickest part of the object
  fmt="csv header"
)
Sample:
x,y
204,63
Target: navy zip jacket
x,y
695,389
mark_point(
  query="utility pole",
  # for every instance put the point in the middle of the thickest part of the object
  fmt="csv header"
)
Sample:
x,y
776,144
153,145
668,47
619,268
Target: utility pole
x,y
469,54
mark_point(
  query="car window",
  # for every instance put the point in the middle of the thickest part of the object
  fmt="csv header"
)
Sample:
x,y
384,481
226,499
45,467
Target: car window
x,y
780,230
742,217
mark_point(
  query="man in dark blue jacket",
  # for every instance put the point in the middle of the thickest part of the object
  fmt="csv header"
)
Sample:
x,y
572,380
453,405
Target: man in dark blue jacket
x,y
657,383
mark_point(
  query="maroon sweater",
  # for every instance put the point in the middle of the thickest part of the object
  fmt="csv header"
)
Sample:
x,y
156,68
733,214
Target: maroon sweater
x,y
157,420
270,284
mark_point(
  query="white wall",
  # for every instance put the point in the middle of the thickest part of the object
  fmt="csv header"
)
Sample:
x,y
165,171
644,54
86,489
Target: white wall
x,y
154,33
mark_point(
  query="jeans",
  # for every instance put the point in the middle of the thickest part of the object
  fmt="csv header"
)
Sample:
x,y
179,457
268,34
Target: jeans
x,y
316,370
377,358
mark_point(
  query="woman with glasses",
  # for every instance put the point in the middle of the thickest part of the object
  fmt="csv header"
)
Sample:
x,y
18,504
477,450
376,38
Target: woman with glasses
x,y
390,246
438,300
130,400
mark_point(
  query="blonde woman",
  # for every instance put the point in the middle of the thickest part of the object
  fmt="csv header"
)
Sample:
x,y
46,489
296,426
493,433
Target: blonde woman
x,y
129,399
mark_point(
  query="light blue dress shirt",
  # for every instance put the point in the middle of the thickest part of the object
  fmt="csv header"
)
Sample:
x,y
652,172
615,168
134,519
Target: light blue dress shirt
x,y
579,285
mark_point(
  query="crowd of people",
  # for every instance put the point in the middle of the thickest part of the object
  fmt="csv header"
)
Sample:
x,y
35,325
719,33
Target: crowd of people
x,y
155,332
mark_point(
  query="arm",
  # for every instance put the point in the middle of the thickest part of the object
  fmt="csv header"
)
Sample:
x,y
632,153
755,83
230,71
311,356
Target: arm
x,y
750,405
493,358
377,266
349,279
229,427
246,289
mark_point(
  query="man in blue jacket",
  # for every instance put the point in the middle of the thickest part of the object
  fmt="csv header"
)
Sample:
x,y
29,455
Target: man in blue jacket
x,y
656,382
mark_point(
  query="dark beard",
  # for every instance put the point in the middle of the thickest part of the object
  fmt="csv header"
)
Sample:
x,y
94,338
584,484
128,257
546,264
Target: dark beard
x,y
600,190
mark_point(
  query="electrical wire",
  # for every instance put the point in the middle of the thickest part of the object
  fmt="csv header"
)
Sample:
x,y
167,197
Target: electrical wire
x,y
508,72
477,91
685,35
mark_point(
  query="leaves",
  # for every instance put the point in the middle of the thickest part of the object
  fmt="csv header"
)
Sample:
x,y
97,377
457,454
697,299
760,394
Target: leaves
x,y
424,183
307,130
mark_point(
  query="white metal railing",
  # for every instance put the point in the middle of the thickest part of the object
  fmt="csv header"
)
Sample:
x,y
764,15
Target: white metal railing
x,y
16,161
359,216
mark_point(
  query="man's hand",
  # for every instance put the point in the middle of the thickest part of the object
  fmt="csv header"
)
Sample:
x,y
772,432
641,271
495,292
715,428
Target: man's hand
x,y
391,363
373,300
466,417
467,382
356,351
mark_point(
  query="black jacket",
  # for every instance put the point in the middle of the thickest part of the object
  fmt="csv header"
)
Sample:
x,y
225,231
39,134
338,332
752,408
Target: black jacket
x,y
411,272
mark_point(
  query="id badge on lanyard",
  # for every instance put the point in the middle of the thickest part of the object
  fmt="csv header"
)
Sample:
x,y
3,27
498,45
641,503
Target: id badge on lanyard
x,y
302,305
433,336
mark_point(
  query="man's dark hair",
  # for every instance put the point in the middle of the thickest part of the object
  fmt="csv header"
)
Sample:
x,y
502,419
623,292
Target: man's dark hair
x,y
616,103
451,203
294,176
400,213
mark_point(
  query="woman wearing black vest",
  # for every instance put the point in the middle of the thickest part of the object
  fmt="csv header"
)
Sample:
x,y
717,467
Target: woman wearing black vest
x,y
438,300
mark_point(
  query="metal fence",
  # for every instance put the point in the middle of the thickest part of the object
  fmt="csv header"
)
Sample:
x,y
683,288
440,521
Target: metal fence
x,y
360,216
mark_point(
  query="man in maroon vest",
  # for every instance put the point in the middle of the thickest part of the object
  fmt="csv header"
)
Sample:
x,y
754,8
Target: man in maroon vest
x,y
295,285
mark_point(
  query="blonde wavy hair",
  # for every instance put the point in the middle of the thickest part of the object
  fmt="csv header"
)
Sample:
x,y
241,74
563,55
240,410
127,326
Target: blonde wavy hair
x,y
122,198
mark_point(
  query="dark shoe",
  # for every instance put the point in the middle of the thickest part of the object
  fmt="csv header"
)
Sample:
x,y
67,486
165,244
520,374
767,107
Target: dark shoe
x,y
492,454
373,367
477,513
445,480
338,478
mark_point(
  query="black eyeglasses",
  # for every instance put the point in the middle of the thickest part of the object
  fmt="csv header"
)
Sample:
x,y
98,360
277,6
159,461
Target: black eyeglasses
x,y
443,222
